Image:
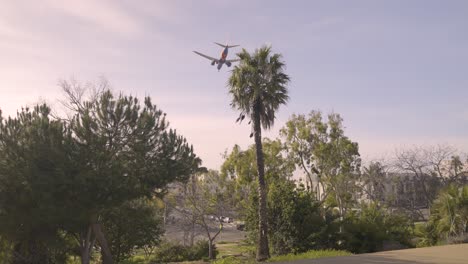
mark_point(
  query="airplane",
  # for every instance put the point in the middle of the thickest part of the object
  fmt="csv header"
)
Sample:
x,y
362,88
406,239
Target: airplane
x,y
221,60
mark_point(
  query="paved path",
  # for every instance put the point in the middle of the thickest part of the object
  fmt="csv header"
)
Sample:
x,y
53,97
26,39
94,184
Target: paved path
x,y
452,254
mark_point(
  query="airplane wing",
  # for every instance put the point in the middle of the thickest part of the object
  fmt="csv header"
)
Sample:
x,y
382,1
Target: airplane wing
x,y
205,56
219,44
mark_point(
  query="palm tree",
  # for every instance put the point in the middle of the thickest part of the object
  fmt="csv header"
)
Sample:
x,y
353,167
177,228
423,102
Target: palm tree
x,y
450,211
258,88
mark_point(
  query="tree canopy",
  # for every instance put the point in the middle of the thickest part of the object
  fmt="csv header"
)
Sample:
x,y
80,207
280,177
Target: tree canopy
x,y
62,176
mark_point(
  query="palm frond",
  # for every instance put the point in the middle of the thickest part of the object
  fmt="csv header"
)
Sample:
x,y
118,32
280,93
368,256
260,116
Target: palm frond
x,y
259,76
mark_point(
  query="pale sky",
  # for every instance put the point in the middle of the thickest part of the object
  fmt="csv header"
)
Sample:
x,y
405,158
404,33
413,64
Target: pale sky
x,y
397,71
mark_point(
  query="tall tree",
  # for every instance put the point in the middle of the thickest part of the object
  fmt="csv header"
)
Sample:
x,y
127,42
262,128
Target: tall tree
x,y
60,177
34,172
258,86
321,149
125,150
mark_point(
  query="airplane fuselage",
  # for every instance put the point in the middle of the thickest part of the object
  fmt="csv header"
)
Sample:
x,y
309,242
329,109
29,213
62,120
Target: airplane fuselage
x,y
222,60
224,53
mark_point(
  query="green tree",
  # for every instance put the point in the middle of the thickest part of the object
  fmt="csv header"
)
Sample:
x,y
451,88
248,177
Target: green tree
x,y
258,89
132,226
296,219
321,149
240,165
34,172
59,178
124,151
302,137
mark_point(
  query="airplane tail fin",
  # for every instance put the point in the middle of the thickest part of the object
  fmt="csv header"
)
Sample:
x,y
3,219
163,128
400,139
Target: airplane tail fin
x,y
224,46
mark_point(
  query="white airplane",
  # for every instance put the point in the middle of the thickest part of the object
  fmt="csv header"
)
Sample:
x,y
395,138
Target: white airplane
x,y
221,60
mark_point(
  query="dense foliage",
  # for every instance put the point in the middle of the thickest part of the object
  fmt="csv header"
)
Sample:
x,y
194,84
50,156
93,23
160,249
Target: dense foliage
x,y
369,228
132,226
320,148
66,184
298,223
449,217
35,172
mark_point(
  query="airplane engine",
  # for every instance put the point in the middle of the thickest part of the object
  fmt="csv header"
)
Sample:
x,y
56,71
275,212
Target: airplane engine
x,y
213,62
228,63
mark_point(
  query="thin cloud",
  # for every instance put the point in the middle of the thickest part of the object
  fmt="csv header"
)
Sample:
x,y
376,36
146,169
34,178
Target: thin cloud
x,y
107,15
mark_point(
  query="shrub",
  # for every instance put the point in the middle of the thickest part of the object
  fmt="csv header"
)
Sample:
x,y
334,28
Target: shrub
x,y
132,226
448,220
296,221
170,252
368,230
449,213
201,250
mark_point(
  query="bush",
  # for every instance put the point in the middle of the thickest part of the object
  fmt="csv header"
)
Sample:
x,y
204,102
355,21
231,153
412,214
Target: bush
x,y
132,226
426,234
449,213
447,222
169,252
296,221
373,227
201,250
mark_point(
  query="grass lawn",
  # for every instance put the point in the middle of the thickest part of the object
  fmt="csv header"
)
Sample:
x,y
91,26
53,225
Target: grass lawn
x,y
241,253
234,248
313,254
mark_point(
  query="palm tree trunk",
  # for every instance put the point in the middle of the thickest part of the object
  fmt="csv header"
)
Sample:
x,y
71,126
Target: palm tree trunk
x,y
262,249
